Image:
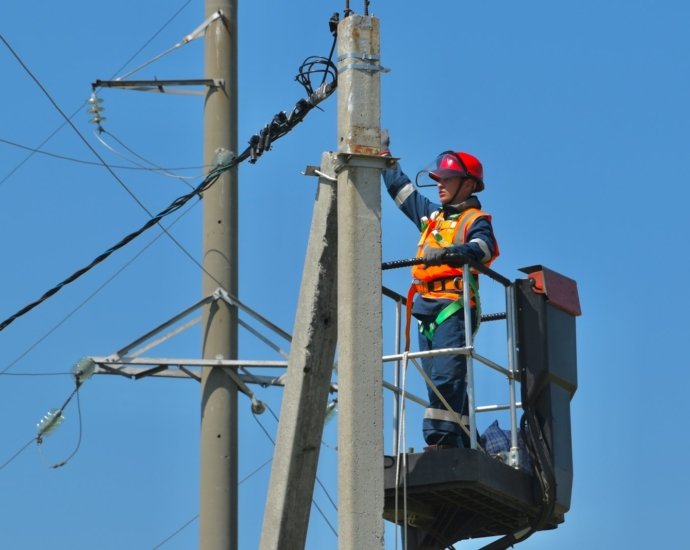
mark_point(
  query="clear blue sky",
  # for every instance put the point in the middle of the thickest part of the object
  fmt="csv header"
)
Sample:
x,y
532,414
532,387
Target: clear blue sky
x,y
579,113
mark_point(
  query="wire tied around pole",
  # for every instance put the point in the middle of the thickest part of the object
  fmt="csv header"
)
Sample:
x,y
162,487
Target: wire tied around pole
x,y
283,122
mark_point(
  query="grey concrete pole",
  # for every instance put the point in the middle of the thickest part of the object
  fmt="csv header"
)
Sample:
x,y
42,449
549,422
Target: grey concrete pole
x,y
310,365
360,394
218,483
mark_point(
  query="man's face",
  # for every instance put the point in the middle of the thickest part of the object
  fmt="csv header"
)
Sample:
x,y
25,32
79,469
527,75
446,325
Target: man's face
x,y
448,187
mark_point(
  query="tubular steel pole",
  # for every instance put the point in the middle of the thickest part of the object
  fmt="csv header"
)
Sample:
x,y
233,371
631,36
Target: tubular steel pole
x,y
360,373
218,484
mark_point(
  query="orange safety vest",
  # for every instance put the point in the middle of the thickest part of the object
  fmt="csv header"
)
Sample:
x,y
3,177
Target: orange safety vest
x,y
442,233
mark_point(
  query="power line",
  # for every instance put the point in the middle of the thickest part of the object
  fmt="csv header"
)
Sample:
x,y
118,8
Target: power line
x,y
20,451
37,373
317,477
175,205
178,203
92,163
280,125
151,39
69,121
323,515
39,439
14,170
34,151
175,533
195,517
108,281
157,169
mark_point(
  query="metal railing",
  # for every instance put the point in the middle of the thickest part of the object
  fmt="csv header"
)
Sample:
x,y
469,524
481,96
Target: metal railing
x,y
511,373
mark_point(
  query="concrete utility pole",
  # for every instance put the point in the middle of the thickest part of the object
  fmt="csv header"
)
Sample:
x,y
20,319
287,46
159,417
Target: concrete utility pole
x,y
218,485
360,393
312,351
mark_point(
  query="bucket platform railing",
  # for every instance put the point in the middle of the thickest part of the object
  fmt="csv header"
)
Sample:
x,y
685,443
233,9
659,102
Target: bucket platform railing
x,y
511,372
443,497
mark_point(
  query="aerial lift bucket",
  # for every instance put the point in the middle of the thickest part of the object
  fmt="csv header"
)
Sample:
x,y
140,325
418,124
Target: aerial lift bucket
x,y
458,494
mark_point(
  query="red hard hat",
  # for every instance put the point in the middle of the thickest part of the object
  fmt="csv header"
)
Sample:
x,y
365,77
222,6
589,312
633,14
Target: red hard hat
x,y
455,164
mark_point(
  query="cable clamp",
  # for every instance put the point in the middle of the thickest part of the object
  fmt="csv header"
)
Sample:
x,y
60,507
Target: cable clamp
x,y
363,56
371,68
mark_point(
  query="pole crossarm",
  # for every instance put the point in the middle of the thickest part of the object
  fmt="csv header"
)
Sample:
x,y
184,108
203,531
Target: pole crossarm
x,y
126,355
161,86
178,362
160,328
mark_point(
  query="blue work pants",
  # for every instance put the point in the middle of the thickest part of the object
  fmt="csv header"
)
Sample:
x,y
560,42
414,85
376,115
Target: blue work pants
x,y
449,375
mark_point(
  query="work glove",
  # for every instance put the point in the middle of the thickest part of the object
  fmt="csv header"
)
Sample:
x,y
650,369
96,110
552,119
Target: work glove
x,y
434,255
385,142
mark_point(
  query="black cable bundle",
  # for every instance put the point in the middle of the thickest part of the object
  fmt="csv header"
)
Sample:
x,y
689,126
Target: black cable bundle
x,y
283,122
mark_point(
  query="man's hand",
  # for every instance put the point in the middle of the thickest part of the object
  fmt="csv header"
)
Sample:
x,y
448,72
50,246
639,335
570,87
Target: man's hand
x,y
434,255
385,142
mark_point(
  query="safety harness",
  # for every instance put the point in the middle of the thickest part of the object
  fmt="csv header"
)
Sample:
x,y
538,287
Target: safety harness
x,y
447,311
440,232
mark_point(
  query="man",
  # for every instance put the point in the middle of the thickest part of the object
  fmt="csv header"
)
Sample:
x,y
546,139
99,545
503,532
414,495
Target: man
x,y
455,226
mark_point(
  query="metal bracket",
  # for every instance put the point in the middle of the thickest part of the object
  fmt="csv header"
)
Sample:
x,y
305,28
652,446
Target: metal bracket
x,y
316,171
310,170
258,407
160,85
359,160
513,458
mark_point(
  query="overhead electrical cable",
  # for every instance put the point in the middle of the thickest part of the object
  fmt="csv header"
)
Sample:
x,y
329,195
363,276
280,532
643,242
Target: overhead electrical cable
x,y
34,151
317,477
81,429
88,298
256,471
153,37
176,205
176,532
69,121
323,515
52,420
93,163
280,125
38,374
157,169
196,33
20,451
37,150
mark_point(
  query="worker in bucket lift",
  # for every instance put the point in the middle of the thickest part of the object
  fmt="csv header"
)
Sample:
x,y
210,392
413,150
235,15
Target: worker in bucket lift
x,y
455,226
